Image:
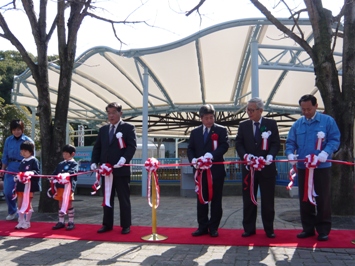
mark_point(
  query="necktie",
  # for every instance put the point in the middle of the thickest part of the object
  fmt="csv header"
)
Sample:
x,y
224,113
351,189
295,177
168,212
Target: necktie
x,y
112,131
257,134
205,134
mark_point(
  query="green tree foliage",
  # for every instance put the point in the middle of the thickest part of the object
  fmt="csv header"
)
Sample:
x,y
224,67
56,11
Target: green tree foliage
x,y
11,64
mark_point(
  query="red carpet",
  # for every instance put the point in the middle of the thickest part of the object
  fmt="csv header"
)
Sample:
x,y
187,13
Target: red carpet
x,y
227,237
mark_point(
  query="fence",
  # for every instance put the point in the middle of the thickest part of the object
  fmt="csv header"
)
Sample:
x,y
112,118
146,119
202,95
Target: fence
x,y
234,174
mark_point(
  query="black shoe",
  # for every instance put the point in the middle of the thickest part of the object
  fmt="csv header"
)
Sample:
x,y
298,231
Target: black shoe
x,y
214,233
125,230
270,235
305,235
104,229
59,225
199,232
247,234
70,226
322,237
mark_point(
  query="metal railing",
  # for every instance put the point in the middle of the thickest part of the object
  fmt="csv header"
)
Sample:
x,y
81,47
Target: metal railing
x,y
165,174
234,174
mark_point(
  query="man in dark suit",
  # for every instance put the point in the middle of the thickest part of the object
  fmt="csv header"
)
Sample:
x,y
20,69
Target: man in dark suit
x,y
209,141
249,143
116,145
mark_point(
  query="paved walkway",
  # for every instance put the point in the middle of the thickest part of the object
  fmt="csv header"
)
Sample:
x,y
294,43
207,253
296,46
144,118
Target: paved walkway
x,y
174,212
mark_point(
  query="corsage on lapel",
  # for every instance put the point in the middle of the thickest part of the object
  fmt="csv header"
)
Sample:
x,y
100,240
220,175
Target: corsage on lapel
x,y
320,139
121,143
214,138
264,135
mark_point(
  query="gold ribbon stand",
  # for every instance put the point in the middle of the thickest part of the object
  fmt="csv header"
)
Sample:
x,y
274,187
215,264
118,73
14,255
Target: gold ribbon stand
x,y
154,236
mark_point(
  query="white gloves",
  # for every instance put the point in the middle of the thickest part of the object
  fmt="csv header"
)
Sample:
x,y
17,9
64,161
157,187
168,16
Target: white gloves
x,y
291,158
322,157
93,166
248,157
208,156
194,162
120,163
269,158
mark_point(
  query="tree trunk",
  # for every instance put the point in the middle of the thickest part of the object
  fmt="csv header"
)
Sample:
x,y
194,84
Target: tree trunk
x,y
44,112
336,103
343,176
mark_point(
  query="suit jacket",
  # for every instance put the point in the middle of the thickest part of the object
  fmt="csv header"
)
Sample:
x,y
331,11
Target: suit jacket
x,y
105,152
245,144
198,148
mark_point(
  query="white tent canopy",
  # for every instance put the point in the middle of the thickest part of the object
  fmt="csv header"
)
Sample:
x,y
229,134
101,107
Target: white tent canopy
x,y
212,66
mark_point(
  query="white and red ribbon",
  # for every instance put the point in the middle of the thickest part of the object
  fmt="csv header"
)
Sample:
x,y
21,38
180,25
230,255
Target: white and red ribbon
x,y
265,135
52,190
255,164
96,186
106,171
292,175
121,143
152,165
202,165
25,178
320,138
64,179
214,138
309,193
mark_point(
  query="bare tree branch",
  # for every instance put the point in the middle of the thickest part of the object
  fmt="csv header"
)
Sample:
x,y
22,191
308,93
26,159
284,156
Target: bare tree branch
x,y
295,20
52,28
283,28
196,8
298,13
341,14
113,22
13,3
116,21
31,15
337,19
10,37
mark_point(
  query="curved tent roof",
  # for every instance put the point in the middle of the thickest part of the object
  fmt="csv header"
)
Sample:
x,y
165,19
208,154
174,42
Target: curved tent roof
x,y
212,66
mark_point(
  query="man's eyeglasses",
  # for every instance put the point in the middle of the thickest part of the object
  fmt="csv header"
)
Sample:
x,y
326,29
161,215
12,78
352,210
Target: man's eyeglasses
x,y
251,110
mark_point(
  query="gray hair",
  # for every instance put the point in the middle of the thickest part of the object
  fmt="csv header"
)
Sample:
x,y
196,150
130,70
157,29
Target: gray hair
x,y
259,102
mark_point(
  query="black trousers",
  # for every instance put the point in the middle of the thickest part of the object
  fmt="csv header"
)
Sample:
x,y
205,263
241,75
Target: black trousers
x,y
212,223
121,187
267,196
316,217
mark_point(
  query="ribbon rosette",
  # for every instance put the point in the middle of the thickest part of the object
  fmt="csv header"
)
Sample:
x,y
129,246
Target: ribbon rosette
x,y
202,165
311,162
320,136
121,143
214,138
152,165
258,163
265,135
24,178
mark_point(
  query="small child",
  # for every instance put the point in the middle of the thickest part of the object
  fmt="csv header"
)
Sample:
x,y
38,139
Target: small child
x,y
29,163
69,165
